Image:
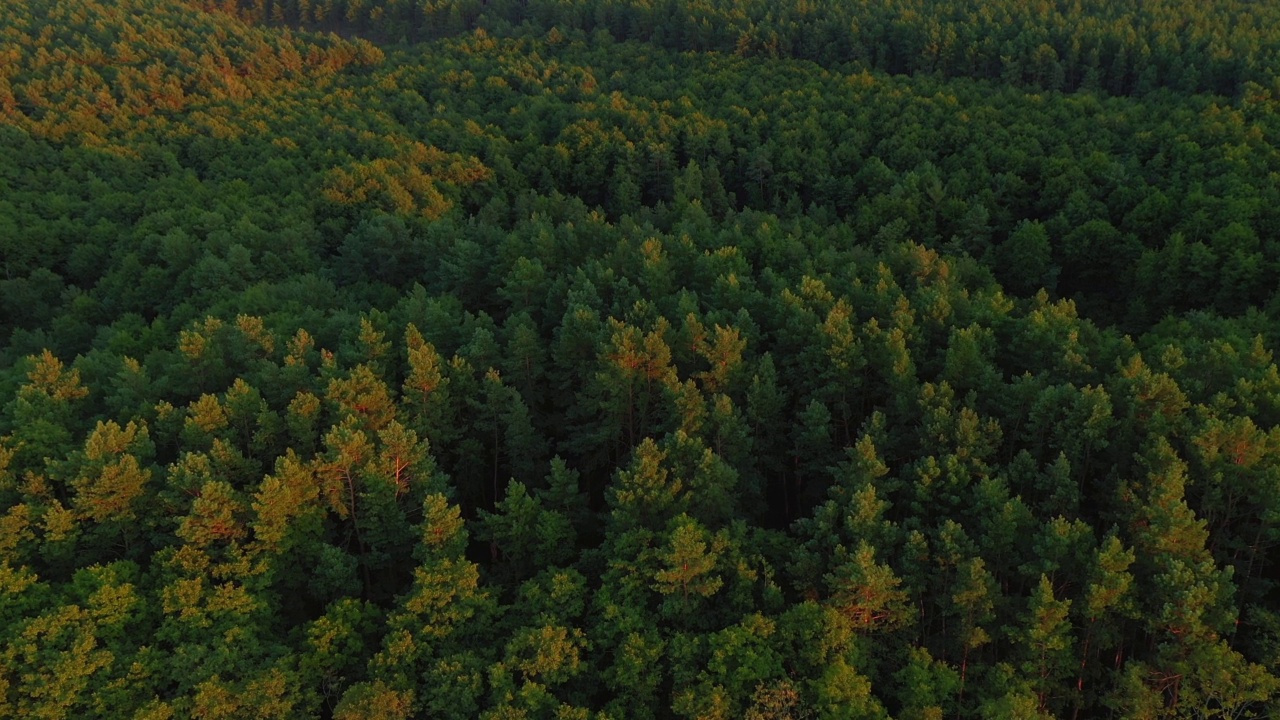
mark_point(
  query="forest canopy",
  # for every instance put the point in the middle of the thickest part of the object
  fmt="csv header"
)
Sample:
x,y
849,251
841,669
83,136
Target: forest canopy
x,y
620,359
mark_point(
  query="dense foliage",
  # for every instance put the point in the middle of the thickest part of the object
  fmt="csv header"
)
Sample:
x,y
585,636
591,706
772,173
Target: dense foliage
x,y
619,359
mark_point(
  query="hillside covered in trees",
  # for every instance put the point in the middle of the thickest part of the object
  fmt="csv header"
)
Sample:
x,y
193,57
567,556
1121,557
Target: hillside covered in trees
x,y
604,359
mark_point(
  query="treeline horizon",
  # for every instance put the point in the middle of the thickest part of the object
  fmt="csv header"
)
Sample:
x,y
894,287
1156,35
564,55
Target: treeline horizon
x,y
1224,47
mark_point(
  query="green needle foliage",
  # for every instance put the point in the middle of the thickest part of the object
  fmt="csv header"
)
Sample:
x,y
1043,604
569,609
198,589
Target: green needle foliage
x,y
589,359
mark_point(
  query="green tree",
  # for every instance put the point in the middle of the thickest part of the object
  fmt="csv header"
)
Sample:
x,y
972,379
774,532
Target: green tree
x,y
1108,600
687,566
113,477
925,686
866,592
425,393
43,416
431,623
1045,634
1024,261
973,605
527,534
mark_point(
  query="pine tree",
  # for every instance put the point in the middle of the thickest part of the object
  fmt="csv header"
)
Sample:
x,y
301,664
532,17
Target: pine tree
x,y
364,396
1108,600
645,494
688,562
866,592
432,624
1045,639
425,394
43,414
972,604
527,534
